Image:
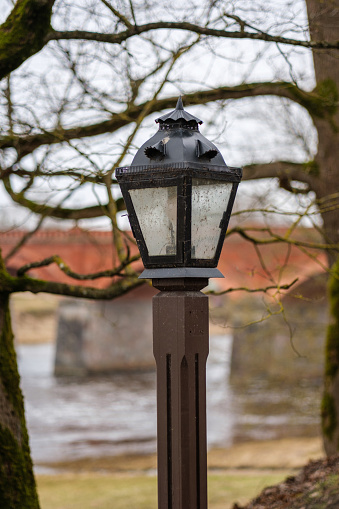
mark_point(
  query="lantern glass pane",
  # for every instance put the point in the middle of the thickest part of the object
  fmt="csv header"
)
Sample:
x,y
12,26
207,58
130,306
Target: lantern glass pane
x,y
156,210
209,202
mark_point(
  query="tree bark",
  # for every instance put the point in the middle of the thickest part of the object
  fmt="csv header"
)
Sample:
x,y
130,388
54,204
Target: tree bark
x,y
23,33
17,483
330,406
324,25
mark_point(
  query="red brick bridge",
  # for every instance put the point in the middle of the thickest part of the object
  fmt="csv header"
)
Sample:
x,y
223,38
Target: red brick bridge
x,y
92,251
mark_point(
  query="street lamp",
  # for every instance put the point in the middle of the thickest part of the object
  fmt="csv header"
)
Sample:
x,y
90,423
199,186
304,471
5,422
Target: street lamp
x,y
179,195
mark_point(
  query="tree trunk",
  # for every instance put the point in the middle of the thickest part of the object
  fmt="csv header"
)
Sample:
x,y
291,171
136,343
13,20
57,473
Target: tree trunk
x,y
330,407
324,25
17,483
23,33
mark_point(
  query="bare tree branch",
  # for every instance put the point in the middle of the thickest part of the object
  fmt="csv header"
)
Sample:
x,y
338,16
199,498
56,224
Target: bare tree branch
x,y
81,277
117,14
24,239
276,238
27,30
265,289
60,212
285,171
27,144
190,27
10,284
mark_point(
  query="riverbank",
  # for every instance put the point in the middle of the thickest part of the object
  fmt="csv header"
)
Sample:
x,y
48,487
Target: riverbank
x,y
236,474
271,455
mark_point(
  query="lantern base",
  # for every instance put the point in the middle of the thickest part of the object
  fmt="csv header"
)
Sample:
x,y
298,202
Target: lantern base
x,y
181,272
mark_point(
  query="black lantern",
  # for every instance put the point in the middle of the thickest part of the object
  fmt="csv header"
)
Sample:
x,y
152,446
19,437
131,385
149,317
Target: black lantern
x,y
179,195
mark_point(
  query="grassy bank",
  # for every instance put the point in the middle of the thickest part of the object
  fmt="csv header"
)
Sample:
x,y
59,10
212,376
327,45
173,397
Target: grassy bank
x,y
236,474
124,491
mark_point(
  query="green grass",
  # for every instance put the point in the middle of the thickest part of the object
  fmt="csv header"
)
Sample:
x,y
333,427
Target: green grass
x,y
225,489
95,491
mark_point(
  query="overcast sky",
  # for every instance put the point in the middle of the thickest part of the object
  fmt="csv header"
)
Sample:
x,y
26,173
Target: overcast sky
x,y
245,131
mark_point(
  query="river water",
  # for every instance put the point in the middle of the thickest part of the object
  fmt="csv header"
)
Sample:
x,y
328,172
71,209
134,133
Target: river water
x,y
91,417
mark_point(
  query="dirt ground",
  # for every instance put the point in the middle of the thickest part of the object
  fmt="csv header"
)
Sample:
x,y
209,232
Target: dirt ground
x,y
315,487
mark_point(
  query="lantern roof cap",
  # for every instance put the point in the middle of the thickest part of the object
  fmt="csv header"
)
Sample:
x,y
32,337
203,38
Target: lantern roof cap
x,y
178,114
178,141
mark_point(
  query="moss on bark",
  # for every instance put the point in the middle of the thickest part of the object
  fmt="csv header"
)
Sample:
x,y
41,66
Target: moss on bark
x,y
17,483
328,415
23,33
312,168
327,97
330,401
322,102
332,351
332,339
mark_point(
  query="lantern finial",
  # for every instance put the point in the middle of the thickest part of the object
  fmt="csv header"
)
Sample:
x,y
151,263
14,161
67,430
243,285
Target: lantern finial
x,y
179,105
179,115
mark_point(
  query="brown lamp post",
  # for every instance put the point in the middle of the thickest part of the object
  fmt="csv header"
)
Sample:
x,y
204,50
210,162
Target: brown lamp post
x,y
179,204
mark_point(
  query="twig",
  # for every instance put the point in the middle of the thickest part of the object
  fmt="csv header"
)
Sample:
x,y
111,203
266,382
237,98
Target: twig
x,y
254,290
82,277
24,239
